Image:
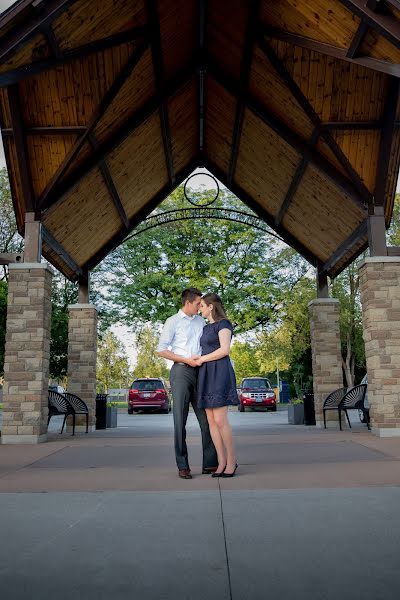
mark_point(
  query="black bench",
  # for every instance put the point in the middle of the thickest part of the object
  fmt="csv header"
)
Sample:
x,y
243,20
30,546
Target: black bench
x,y
67,404
59,405
345,399
79,407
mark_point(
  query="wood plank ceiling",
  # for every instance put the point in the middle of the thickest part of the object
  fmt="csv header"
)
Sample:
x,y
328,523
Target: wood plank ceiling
x,y
107,106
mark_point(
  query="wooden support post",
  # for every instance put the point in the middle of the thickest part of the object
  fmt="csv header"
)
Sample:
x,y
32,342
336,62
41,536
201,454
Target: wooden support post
x,y
33,239
377,232
83,294
322,283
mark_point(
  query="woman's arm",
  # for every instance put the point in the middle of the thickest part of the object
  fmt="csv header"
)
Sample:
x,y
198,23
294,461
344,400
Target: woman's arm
x,y
225,336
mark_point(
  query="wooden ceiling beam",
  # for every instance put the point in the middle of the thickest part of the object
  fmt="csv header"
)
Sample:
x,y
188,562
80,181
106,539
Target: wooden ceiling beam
x,y
136,119
57,130
376,64
103,105
314,117
59,249
247,56
201,75
345,247
156,49
22,33
61,58
291,138
357,40
294,184
260,211
108,180
21,150
120,236
384,24
385,149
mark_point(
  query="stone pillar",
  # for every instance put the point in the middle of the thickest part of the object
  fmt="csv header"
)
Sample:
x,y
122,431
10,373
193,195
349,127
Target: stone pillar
x,y
326,354
82,354
380,297
27,354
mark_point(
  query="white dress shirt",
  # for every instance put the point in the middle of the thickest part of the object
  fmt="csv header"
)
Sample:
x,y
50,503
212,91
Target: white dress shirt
x,y
181,335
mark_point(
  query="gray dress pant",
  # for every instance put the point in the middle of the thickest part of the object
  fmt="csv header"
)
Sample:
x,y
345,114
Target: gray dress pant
x,y
183,379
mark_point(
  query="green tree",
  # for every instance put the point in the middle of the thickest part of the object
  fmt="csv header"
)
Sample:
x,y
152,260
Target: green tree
x,y
10,240
149,364
112,363
146,274
63,293
246,362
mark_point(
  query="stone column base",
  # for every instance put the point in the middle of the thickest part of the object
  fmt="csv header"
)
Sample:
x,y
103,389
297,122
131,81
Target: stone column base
x,y
23,439
380,297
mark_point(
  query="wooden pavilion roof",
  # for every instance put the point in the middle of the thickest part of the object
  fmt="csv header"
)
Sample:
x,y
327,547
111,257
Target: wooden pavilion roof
x,y
293,104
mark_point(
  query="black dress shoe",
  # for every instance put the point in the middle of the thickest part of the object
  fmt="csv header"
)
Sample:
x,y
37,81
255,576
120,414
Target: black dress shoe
x,y
185,474
208,470
225,475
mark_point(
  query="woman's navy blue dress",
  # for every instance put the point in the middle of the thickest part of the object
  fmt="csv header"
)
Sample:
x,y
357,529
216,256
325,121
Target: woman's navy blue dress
x,y
216,384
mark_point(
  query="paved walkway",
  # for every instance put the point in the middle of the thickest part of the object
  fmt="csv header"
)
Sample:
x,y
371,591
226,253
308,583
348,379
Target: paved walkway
x,y
311,515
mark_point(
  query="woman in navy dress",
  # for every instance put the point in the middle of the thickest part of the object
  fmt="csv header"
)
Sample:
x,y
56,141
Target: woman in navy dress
x,y
216,387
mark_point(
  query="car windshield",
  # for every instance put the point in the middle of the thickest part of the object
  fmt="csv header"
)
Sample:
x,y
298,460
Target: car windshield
x,y
148,385
256,384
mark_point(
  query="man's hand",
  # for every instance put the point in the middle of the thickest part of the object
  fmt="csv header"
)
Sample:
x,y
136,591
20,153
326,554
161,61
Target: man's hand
x,y
198,360
192,362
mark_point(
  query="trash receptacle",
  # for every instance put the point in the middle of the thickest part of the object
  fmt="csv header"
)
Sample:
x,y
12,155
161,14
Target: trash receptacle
x,y
309,408
101,411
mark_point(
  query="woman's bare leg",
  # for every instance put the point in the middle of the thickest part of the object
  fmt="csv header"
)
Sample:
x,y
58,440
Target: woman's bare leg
x,y
225,430
217,439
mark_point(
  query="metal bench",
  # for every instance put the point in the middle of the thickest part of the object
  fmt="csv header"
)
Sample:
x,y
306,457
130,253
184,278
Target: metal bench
x,y
59,405
79,407
345,399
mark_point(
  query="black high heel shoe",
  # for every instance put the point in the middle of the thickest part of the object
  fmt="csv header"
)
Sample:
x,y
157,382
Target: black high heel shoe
x,y
220,474
225,475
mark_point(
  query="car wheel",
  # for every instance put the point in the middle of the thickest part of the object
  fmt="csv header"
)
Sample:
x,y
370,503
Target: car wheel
x,y
274,409
164,411
130,411
241,408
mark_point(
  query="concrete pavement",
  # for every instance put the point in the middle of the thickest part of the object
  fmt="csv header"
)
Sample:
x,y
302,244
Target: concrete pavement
x,y
311,514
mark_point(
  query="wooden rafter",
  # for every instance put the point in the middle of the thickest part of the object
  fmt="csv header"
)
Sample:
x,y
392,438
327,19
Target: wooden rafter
x,y
261,212
203,5
294,184
108,180
302,41
104,103
156,49
385,25
136,119
247,56
345,247
57,130
314,118
357,40
21,150
119,237
51,241
19,35
291,138
386,140
61,58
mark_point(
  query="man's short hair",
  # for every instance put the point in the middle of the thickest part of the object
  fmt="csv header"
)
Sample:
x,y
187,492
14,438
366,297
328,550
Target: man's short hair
x,y
190,294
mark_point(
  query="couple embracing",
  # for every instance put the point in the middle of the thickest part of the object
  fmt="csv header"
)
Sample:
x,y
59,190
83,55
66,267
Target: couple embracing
x,y
202,375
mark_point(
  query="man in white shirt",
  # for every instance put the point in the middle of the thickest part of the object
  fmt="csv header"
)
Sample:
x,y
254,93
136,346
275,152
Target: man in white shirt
x,y
179,341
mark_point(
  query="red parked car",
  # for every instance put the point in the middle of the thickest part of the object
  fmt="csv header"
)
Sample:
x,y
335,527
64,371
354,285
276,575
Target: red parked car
x,y
149,395
256,392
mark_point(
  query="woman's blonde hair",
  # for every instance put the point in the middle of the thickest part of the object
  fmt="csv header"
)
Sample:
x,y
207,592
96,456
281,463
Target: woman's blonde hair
x,y
218,307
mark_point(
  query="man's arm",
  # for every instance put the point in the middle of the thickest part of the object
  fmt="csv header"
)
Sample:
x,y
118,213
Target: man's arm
x,y
177,358
166,339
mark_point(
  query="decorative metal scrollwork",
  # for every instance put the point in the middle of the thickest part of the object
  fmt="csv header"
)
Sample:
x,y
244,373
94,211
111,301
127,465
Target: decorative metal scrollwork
x,y
204,204
183,214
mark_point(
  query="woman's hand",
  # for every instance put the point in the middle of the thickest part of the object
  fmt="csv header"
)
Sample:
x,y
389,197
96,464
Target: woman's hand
x,y
198,360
